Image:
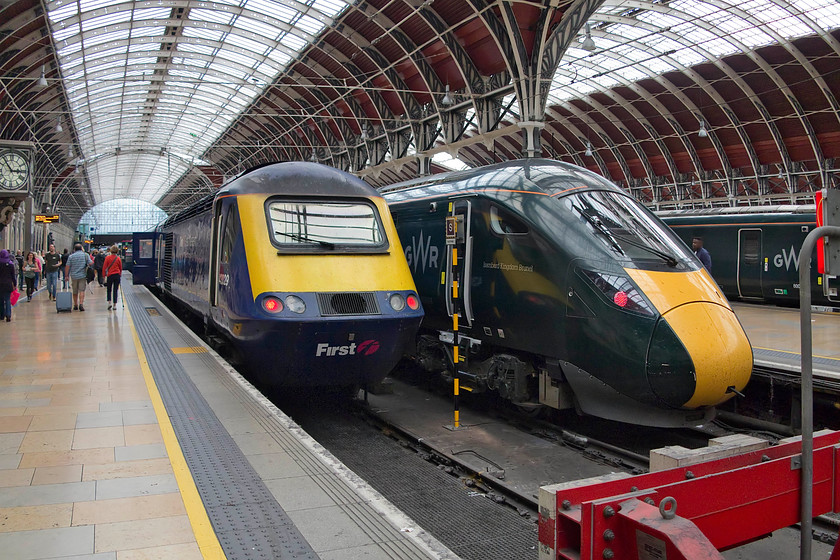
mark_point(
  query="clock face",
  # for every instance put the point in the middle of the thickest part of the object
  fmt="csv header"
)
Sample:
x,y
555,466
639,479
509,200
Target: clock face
x,y
14,170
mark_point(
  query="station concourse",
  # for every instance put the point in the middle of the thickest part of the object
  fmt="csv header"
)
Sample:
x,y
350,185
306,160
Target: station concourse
x,y
124,437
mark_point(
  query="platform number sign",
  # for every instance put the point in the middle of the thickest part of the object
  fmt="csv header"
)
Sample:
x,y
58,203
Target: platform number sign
x,y
828,214
451,229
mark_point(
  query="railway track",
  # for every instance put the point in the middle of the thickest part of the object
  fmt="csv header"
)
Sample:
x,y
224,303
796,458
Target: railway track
x,y
602,450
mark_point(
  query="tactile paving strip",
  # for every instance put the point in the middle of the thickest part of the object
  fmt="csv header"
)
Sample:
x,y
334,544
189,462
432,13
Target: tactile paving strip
x,y
394,545
248,522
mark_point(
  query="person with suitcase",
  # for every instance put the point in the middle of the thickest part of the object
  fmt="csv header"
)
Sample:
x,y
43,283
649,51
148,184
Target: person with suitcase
x,y
77,265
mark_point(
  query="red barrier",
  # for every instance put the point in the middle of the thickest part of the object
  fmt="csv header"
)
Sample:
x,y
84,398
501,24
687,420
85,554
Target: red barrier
x,y
687,512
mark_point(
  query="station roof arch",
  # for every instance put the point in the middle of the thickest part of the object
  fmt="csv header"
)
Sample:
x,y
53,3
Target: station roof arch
x,y
685,102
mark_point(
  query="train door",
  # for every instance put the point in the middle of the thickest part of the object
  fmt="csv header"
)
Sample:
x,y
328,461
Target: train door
x,y
144,258
462,241
215,248
749,263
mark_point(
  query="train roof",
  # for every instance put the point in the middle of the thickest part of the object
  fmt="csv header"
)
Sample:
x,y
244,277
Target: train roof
x,y
738,211
532,174
298,178
288,178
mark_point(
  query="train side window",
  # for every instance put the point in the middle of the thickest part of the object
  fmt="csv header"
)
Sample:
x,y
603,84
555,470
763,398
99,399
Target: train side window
x,y
750,247
229,235
503,223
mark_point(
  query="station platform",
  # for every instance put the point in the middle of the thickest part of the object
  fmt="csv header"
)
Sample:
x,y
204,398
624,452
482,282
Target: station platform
x,y
123,436
776,339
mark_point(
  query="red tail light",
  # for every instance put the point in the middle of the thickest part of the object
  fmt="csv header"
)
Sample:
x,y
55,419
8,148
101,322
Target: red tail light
x,y
272,304
620,299
412,301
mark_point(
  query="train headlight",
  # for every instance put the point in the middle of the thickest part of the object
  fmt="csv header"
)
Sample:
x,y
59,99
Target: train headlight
x,y
397,302
413,302
272,304
295,304
620,291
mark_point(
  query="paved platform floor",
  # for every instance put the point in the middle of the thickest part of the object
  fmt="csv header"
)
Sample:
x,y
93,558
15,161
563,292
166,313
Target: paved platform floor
x,y
84,469
103,457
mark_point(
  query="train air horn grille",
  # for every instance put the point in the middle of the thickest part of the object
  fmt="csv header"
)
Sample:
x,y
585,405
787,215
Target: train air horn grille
x,y
361,303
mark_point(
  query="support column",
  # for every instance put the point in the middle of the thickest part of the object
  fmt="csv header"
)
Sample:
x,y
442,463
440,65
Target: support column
x,y
531,138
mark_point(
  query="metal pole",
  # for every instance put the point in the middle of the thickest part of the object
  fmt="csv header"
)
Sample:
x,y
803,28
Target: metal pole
x,y
806,508
455,339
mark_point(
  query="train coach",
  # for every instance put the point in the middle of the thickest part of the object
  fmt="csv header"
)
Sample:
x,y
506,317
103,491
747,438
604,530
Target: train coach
x,y
297,268
572,294
755,250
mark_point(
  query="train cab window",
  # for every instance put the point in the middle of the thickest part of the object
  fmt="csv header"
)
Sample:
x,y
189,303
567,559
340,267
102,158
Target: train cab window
x,y
503,223
626,228
303,225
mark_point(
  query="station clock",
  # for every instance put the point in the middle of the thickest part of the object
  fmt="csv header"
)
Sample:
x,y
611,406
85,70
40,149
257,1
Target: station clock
x,y
14,170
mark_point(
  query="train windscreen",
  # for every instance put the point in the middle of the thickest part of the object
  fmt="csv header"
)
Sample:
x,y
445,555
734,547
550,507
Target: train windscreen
x,y
627,228
301,225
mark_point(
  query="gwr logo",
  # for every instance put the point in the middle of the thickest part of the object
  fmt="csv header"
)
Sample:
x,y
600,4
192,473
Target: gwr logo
x,y
365,348
787,259
421,252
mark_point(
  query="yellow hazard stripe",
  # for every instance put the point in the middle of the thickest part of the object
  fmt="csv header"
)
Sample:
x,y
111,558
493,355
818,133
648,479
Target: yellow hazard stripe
x,y
189,350
206,538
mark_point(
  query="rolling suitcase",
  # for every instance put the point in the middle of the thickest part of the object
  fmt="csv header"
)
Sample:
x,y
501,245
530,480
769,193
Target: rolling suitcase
x,y
63,301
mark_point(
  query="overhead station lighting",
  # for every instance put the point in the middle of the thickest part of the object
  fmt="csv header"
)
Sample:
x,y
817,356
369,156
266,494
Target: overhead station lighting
x,y
58,127
588,44
42,81
702,132
588,151
447,98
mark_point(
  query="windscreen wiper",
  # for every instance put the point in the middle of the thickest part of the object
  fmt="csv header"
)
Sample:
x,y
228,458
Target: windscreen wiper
x,y
601,228
304,239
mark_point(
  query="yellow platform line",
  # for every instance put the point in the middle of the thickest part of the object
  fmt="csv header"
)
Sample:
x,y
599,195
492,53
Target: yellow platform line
x,y
206,538
189,350
795,353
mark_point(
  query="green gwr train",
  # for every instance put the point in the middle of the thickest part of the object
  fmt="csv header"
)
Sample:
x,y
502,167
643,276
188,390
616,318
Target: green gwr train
x,y
572,294
755,250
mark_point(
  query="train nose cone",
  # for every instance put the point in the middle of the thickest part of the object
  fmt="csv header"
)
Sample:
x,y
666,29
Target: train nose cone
x,y
702,340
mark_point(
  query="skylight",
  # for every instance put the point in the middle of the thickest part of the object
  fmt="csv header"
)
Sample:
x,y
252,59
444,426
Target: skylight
x,y
133,74
634,39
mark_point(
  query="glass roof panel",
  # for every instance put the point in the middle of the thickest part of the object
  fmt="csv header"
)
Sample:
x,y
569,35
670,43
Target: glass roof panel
x,y
202,33
116,69
646,38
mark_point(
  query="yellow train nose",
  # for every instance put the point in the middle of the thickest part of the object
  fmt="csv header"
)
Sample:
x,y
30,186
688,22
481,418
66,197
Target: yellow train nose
x,y
698,336
718,348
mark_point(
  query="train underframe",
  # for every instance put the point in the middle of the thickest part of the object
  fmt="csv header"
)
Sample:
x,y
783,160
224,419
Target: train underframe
x,y
523,380
535,383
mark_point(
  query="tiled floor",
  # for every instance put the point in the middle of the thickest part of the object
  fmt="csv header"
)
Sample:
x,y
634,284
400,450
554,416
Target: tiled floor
x,y
83,469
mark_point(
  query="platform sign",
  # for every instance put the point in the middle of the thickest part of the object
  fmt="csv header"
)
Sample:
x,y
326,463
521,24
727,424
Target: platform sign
x,y
46,218
451,229
828,214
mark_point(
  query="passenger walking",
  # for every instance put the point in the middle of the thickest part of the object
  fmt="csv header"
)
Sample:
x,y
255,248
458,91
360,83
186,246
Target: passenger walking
x,y
63,269
40,274
77,265
112,269
19,257
31,268
98,263
52,263
702,253
8,283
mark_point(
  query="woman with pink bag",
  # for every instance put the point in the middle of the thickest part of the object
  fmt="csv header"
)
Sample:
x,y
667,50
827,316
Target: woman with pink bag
x,y
8,284
31,268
